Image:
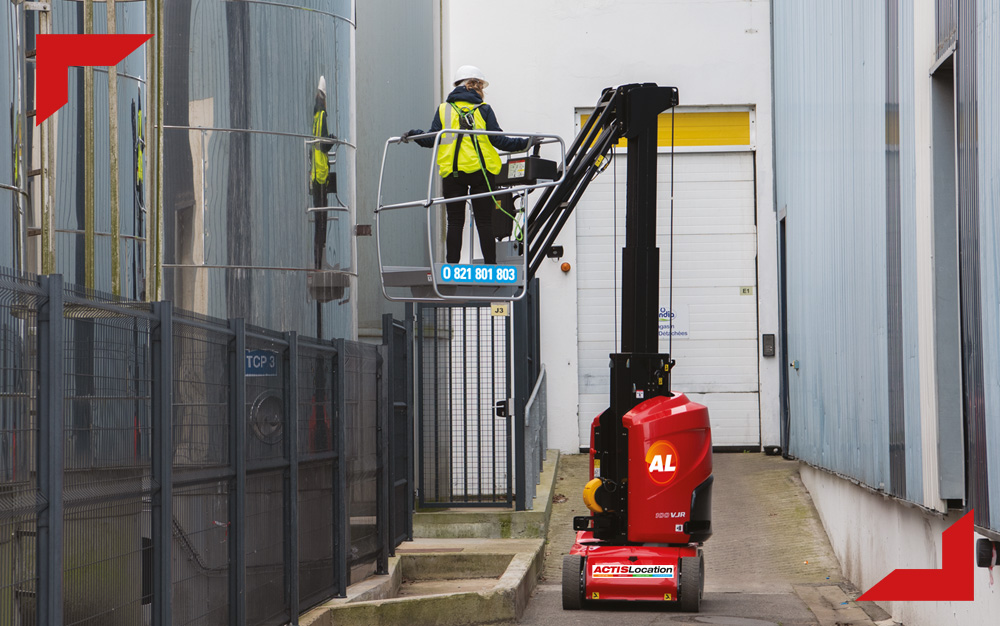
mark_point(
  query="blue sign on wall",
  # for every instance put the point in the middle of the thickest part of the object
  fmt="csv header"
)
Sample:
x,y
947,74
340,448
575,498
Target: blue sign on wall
x,y
261,363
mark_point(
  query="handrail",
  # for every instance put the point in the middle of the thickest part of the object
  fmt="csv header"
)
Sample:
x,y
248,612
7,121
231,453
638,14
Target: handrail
x,y
534,392
430,201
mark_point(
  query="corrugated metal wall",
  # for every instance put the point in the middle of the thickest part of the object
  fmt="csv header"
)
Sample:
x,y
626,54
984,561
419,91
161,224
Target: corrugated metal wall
x,y
909,253
397,91
846,148
970,268
830,123
988,77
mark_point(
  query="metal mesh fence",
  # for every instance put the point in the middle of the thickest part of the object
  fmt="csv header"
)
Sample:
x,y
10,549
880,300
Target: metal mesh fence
x,y
201,394
362,465
200,554
106,472
317,527
187,470
20,299
265,550
464,388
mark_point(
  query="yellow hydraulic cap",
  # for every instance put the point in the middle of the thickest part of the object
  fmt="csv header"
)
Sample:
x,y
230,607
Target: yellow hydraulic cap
x,y
589,495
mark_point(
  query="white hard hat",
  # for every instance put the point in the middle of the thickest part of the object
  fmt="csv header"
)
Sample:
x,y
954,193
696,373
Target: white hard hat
x,y
470,71
322,85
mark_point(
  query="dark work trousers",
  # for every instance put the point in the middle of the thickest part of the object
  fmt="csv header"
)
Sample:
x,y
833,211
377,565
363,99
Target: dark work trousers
x,y
462,184
319,191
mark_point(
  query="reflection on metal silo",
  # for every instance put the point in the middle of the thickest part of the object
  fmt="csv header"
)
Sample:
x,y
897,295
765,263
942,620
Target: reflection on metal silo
x,y
13,194
240,85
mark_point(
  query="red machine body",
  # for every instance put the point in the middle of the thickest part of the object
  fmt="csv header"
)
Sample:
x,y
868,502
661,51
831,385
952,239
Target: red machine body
x,y
670,457
644,573
669,501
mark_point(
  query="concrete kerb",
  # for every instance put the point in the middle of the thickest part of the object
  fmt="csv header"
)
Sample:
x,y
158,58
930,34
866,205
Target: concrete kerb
x,y
494,523
373,602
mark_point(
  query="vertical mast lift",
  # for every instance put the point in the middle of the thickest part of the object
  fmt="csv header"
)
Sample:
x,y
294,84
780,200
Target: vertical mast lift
x,y
651,450
650,493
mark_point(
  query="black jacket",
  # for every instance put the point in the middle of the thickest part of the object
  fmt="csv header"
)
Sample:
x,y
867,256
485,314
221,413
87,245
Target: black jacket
x,y
464,94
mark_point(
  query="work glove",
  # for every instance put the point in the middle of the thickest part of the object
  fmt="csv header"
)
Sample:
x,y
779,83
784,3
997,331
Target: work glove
x,y
532,142
411,133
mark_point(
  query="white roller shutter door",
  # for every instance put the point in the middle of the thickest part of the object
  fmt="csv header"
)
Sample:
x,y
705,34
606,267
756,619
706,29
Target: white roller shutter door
x,y
715,291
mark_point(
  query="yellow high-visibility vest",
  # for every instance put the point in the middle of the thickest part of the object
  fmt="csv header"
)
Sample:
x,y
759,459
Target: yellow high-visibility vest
x,y
321,163
468,155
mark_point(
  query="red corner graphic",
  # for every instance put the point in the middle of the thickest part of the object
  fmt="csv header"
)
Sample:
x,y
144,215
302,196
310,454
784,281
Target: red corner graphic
x,y
954,582
56,53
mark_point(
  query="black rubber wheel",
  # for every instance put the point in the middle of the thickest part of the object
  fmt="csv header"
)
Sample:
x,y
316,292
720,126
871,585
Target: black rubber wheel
x,y
572,582
690,585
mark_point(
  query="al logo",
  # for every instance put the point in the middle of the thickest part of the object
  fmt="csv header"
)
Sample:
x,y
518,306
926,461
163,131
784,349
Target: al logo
x,y
662,462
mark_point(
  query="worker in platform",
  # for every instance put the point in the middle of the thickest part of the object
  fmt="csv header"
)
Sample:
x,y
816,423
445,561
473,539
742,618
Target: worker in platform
x,y
320,161
468,163
320,171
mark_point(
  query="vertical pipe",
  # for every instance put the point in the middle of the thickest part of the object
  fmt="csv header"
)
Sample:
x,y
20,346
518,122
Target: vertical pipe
x,y
521,392
291,508
389,382
162,462
479,402
89,184
382,483
155,251
48,148
113,158
418,385
238,457
49,548
410,407
341,529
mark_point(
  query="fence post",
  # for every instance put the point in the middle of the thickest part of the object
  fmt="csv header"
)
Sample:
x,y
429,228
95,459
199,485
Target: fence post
x,y
341,528
410,417
291,508
49,547
384,481
162,461
238,458
522,389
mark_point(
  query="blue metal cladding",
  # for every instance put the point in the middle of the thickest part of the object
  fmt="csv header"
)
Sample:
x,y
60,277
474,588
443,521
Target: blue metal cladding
x,y
830,162
908,250
893,258
946,22
970,270
988,79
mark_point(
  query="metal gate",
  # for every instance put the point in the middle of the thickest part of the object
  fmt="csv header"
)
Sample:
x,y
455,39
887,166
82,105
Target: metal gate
x,y
397,335
464,389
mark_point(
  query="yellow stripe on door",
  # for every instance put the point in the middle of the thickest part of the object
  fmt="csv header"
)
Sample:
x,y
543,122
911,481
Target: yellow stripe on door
x,y
718,128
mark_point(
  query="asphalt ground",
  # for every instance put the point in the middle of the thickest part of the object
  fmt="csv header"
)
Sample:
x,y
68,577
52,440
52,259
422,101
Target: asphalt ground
x,y
768,563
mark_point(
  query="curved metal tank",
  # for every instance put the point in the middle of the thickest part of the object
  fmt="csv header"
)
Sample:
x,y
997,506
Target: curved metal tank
x,y
240,85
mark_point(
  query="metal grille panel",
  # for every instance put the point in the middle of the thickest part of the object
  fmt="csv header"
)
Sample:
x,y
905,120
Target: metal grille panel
x,y
19,303
464,444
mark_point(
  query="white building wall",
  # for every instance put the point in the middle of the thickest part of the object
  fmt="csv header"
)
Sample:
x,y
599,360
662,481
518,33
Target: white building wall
x,y
546,59
873,534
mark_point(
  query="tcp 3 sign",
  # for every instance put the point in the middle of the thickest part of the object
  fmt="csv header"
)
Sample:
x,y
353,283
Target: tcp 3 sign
x,y
261,363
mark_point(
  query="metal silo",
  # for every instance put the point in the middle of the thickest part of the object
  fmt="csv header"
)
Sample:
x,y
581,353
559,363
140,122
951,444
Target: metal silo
x,y
240,85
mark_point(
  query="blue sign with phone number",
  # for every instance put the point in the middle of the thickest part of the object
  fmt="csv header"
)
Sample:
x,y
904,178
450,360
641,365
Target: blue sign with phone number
x,y
472,274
